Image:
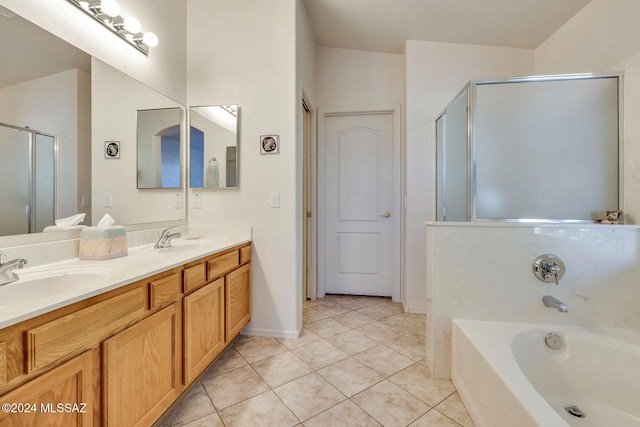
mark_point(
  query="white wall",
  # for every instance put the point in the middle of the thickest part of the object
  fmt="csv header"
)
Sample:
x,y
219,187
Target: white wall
x,y
245,53
435,73
484,272
114,119
356,78
55,104
604,37
163,69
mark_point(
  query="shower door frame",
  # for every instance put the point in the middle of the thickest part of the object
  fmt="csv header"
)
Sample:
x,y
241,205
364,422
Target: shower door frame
x,y
32,171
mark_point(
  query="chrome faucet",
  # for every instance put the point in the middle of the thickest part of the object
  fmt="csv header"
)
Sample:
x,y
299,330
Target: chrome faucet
x,y
548,268
552,302
7,273
164,240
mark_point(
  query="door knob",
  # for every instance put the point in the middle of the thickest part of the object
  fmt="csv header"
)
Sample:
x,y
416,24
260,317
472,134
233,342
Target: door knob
x,y
387,214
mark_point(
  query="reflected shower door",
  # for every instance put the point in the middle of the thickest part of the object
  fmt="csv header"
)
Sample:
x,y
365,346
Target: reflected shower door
x,y
44,182
14,173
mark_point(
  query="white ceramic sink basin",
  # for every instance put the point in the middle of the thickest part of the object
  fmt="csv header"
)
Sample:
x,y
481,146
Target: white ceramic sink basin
x,y
38,286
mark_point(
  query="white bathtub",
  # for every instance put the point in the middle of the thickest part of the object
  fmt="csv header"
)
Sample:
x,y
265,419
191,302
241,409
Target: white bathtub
x,y
508,377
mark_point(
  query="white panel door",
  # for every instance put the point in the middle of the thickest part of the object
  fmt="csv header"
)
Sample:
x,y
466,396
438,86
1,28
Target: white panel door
x,y
359,204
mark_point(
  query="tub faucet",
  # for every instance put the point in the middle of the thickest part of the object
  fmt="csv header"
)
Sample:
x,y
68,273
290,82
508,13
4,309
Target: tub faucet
x,y
7,273
164,240
551,302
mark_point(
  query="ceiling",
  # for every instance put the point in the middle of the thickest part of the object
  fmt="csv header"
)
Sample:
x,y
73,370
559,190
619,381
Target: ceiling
x,y
385,25
34,52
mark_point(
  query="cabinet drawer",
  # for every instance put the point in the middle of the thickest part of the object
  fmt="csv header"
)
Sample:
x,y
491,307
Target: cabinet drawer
x,y
245,254
166,289
223,264
195,277
82,329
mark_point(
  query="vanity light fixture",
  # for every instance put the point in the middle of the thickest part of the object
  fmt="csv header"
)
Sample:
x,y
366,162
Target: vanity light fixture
x,y
107,12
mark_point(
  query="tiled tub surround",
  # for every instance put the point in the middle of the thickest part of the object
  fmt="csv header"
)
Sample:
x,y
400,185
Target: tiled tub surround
x,y
359,362
507,376
484,272
142,261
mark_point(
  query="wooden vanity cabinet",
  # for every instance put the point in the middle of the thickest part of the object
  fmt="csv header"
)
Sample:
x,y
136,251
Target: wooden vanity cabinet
x,y
128,353
37,403
203,328
237,300
141,369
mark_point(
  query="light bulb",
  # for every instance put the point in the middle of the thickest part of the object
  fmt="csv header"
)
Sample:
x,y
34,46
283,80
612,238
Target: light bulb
x,y
150,39
132,25
110,7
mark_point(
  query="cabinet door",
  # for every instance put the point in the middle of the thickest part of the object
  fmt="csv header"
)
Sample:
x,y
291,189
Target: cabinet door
x,y
62,397
237,300
141,370
203,328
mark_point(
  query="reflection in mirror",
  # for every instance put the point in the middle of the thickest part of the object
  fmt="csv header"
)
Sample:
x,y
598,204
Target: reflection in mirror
x,y
213,146
158,145
45,105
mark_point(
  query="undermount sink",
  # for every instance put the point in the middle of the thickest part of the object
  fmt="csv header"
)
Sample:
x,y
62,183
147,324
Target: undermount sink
x,y
36,286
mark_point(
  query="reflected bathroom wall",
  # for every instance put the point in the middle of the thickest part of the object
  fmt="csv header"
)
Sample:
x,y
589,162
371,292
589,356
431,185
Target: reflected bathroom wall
x,y
213,147
159,148
115,119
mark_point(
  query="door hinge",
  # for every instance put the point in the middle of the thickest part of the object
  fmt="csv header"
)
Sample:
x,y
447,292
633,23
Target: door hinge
x,y
308,214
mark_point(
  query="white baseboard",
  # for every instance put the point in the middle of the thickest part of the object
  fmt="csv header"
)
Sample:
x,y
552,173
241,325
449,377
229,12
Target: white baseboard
x,y
418,307
273,333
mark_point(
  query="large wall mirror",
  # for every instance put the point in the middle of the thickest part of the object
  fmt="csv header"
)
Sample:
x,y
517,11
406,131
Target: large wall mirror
x,y
159,149
213,146
58,107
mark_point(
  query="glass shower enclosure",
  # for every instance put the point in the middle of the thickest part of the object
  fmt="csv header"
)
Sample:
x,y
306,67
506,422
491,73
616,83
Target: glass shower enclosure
x,y
27,170
542,148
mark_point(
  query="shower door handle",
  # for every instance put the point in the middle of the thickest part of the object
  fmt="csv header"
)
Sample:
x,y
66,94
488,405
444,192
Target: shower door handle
x,y
387,214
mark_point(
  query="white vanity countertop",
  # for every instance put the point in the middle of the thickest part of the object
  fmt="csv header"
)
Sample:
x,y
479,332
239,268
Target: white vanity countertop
x,y
47,287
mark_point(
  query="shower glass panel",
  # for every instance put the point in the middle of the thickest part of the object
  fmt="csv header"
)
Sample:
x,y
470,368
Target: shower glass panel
x,y
14,173
439,168
44,179
544,148
455,192
28,172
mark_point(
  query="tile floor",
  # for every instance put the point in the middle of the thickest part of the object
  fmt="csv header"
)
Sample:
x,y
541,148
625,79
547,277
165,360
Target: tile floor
x,y
359,362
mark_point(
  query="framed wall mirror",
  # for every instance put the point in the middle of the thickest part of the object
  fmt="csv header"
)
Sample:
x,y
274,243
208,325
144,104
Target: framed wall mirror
x,y
213,146
158,135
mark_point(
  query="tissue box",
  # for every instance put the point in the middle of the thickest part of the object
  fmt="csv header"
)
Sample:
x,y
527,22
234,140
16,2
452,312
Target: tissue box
x,y
103,242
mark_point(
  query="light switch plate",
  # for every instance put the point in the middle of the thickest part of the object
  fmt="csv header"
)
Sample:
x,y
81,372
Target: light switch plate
x,y
108,200
275,199
178,201
197,201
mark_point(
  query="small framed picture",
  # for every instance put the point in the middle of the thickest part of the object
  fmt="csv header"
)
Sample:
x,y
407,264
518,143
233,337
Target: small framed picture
x,y
269,144
112,149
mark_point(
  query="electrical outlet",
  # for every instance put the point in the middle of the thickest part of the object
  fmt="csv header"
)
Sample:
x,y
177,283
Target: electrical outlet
x,y
84,201
108,200
197,201
178,201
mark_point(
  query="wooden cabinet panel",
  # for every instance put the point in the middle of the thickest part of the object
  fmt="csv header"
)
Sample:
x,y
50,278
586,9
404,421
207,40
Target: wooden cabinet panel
x,y
82,329
237,300
223,264
245,254
141,370
3,363
195,277
70,384
203,328
164,290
